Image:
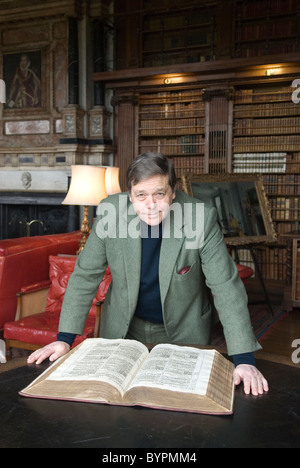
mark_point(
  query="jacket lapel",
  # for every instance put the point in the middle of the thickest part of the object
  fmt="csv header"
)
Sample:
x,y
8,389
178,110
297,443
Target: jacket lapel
x,y
173,238
132,253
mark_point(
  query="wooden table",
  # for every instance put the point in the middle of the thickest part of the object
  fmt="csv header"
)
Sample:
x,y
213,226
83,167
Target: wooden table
x,y
271,420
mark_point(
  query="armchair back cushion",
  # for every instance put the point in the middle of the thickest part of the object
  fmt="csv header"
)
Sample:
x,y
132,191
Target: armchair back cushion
x,y
61,268
41,329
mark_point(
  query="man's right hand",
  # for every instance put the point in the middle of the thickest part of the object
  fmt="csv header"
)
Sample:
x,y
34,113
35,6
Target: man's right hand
x,y
52,351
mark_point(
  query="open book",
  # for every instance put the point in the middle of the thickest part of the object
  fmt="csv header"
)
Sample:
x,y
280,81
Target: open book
x,y
124,372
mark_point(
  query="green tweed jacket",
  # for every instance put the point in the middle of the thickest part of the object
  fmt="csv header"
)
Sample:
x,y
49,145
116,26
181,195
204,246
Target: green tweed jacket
x,y
192,242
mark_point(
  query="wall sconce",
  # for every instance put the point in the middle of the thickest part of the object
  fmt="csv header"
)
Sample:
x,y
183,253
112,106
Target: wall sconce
x,y
167,81
273,71
269,72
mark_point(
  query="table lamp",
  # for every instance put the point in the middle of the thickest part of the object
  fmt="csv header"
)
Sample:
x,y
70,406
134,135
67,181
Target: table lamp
x,y
87,188
112,180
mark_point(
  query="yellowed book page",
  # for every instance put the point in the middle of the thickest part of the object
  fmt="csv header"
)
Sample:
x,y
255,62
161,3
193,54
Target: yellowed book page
x,y
102,360
176,368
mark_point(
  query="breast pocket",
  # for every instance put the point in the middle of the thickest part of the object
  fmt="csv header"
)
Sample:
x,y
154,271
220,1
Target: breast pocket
x,y
185,272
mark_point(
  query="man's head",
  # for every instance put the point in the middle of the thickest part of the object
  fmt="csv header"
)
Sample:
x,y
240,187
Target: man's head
x,y
151,182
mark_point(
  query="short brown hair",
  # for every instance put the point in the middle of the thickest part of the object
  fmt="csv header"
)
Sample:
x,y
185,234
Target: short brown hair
x,y
147,165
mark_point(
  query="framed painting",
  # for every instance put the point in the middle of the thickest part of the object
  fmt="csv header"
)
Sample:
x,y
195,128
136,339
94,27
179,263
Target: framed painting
x,y
22,74
241,204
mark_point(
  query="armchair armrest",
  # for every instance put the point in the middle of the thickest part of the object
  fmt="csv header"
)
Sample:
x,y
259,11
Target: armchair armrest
x,y
99,306
32,299
35,287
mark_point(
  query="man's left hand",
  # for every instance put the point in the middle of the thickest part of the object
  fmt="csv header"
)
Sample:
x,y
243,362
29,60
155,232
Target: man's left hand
x,y
254,381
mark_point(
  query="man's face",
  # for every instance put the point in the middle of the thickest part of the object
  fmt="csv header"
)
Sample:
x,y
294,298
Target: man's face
x,y
151,199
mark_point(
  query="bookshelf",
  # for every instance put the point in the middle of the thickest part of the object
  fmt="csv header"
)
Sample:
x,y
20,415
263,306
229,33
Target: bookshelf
x,y
292,283
173,123
173,35
266,140
267,27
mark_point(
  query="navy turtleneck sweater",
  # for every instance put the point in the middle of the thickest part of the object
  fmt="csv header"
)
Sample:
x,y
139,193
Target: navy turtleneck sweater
x,y
149,301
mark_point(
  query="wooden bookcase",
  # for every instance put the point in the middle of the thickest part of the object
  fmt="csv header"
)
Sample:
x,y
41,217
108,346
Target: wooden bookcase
x,y
266,27
266,140
173,123
292,283
178,35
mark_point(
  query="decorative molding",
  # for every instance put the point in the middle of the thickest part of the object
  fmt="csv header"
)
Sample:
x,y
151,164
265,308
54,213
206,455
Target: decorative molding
x,y
124,99
209,94
11,12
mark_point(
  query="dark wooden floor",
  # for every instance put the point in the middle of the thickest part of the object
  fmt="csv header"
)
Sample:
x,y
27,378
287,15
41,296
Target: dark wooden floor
x,y
278,344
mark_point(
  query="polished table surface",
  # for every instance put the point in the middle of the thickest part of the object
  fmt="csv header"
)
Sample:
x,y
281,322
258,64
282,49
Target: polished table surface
x,y
269,420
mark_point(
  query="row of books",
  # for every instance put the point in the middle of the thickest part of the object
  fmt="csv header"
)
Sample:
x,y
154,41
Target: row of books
x,y
178,57
252,95
171,97
286,227
265,8
187,126
278,47
259,162
293,163
270,143
188,144
266,30
165,40
188,164
285,209
276,109
288,184
173,110
271,261
297,279
176,21
262,126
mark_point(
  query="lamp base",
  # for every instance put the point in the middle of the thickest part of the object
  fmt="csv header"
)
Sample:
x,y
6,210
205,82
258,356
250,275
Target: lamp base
x,y
85,230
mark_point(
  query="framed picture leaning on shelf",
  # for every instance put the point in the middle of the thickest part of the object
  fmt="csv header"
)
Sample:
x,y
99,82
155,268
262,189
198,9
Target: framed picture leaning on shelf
x,y
241,204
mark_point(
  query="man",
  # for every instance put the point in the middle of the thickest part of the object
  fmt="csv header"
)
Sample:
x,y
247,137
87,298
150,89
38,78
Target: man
x,y
167,257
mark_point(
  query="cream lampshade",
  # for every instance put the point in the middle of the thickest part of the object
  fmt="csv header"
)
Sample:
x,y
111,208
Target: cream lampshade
x,y
112,180
87,188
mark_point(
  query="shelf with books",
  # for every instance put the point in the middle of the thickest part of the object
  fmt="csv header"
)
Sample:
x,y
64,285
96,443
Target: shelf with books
x,y
266,140
173,123
178,35
262,117
283,192
296,270
266,27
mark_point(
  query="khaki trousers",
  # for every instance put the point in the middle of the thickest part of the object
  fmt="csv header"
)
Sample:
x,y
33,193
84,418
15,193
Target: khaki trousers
x,y
147,332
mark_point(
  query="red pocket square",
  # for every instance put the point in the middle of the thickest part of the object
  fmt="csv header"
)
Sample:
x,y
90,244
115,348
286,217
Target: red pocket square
x,y
184,270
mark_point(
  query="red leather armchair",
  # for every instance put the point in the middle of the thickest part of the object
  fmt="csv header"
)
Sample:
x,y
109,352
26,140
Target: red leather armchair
x,y
245,272
36,330
25,261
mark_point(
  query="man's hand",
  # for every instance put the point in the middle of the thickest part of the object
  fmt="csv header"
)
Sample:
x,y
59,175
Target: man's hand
x,y
254,381
52,351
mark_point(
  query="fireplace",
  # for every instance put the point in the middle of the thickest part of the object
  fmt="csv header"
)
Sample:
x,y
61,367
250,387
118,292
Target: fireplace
x,y
25,214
